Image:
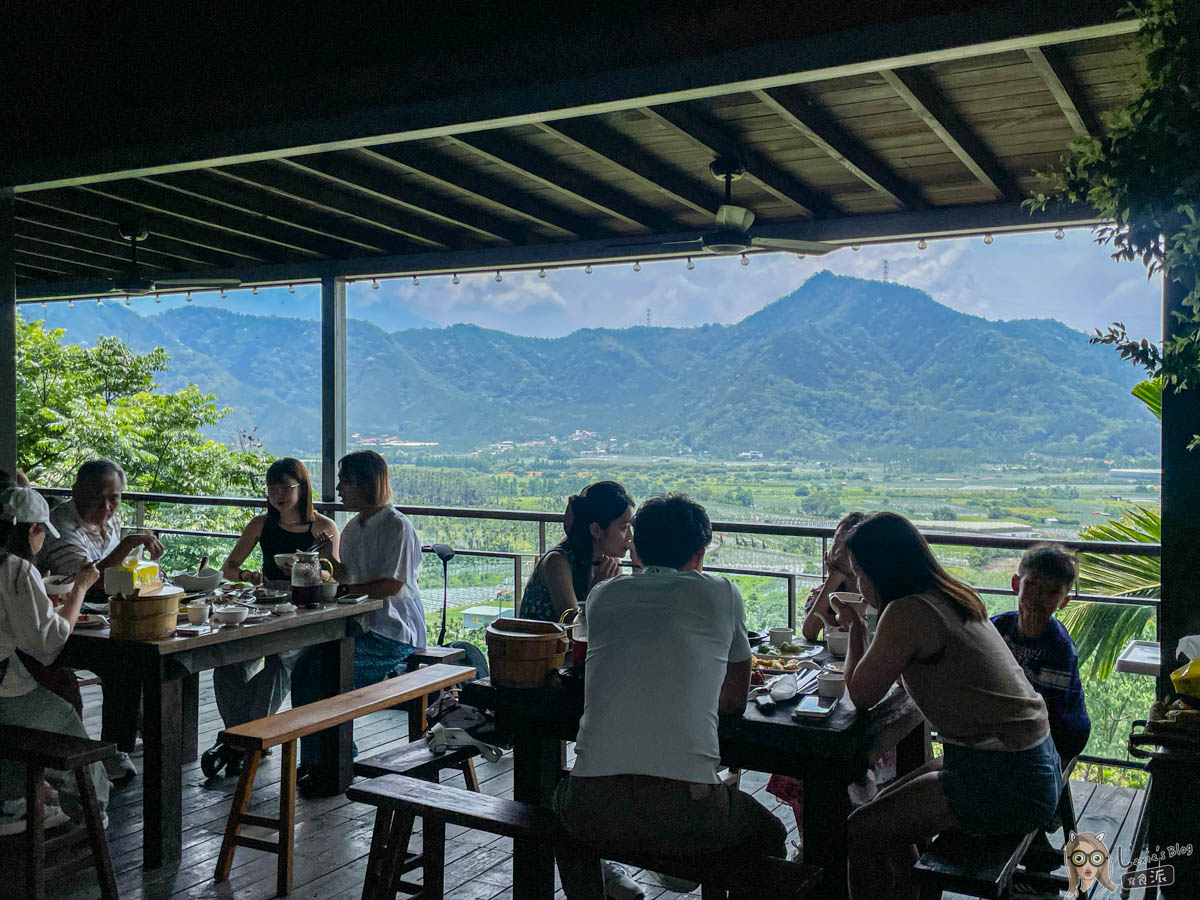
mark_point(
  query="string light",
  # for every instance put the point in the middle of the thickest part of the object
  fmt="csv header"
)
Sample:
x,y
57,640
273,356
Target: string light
x,y
99,302
799,256
1059,234
416,281
43,304
922,244
587,270
499,277
374,284
855,247
157,298
127,300
70,304
189,297
223,293
745,262
541,273
291,289
455,279
691,265
254,290
987,238
637,265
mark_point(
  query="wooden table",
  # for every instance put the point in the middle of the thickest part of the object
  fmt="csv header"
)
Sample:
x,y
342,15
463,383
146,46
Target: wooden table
x,y
828,754
168,672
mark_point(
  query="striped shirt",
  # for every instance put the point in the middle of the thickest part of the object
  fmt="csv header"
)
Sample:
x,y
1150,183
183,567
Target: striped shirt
x,y
78,542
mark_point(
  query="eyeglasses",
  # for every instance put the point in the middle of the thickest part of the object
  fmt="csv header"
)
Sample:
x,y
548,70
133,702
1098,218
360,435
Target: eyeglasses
x,y
1080,858
282,488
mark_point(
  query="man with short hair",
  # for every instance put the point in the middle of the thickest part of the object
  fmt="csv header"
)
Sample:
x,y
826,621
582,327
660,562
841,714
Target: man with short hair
x,y
667,655
90,530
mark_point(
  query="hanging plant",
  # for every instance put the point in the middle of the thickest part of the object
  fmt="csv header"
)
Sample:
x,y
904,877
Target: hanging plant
x,y
1143,175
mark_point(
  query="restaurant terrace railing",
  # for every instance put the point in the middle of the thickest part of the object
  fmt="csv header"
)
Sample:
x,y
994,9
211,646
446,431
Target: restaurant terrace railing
x,y
139,501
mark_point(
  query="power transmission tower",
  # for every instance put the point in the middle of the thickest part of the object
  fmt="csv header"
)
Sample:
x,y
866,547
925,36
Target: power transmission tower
x,y
647,317
885,270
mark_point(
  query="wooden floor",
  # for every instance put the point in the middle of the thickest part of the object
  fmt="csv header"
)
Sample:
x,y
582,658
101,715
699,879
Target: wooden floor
x,y
333,834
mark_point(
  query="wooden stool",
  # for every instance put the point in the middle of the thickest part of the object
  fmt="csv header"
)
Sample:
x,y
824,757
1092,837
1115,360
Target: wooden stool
x,y
41,750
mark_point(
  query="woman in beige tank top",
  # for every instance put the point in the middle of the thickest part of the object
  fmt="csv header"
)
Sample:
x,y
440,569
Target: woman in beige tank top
x,y
999,773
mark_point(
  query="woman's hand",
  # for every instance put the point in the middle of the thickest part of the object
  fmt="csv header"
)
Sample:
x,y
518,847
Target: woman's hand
x,y
251,576
848,617
605,567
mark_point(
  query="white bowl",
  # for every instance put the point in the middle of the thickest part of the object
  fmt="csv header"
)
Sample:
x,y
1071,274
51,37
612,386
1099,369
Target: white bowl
x,y
285,560
206,580
831,684
837,641
58,585
780,636
850,599
197,613
231,615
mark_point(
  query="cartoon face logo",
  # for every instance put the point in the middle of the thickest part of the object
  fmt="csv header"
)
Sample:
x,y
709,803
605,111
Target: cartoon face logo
x,y
1087,862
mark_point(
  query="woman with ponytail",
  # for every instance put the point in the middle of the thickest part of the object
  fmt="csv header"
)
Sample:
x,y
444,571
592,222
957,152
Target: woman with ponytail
x,y
598,525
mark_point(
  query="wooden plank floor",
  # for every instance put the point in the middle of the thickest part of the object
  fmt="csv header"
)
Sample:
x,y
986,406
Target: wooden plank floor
x,y
333,834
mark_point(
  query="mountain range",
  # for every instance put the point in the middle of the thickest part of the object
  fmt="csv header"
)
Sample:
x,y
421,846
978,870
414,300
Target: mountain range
x,y
840,365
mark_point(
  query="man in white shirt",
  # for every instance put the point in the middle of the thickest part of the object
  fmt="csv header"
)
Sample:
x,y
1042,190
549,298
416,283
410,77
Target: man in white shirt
x,y
89,529
667,655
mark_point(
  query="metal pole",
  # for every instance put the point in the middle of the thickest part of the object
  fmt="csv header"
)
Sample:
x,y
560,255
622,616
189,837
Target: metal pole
x,y
333,381
1179,610
541,539
791,594
516,584
8,331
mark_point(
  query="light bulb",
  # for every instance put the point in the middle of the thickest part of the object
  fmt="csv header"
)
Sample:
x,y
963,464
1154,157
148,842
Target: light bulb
x,y
99,302
855,247
587,270
745,262
43,304
291,289
374,284
637,265
922,244
223,294
416,281
541,273
254,290
499,277
70,304
1059,234
127,300
799,256
157,298
189,297
455,279
691,265
987,238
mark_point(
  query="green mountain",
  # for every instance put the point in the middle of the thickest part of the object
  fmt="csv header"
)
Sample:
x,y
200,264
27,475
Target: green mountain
x,y
840,365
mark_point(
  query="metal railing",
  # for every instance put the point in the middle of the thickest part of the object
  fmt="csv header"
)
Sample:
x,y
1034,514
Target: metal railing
x,y
791,579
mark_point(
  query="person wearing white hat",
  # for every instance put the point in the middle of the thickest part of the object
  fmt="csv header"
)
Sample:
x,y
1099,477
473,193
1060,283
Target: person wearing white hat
x,y
30,623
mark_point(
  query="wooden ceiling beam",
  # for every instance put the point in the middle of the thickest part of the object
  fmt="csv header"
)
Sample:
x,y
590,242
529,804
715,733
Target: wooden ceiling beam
x,y
718,139
442,218
280,218
935,111
44,267
96,210
79,259
1066,90
113,251
544,169
794,106
429,164
604,143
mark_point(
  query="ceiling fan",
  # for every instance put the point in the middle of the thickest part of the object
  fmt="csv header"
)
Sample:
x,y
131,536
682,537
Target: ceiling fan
x,y
732,233
135,282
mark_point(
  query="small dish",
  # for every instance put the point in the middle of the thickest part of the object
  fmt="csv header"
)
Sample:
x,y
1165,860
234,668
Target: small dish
x,y
282,609
285,560
87,620
231,615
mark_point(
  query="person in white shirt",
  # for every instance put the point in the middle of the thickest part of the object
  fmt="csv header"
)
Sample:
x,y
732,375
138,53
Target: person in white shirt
x,y
30,623
380,557
645,772
89,530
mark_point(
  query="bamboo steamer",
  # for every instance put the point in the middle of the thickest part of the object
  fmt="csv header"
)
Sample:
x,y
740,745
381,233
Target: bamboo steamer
x,y
524,652
146,616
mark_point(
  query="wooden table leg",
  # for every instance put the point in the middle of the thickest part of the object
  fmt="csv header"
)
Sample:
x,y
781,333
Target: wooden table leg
x,y
162,797
537,768
826,807
35,835
433,852
191,716
337,676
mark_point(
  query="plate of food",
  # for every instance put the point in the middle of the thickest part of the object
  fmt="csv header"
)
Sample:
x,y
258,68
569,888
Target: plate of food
x,y
88,620
786,650
270,595
775,665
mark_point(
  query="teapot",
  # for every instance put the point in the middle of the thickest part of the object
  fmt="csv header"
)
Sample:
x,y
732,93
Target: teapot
x,y
306,578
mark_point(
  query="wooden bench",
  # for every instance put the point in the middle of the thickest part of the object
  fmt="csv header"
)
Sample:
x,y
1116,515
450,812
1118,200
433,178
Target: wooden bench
x,y
41,750
985,866
401,800
286,729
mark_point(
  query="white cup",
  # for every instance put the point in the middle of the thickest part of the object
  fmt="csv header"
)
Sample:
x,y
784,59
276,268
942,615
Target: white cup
x,y
831,684
780,636
197,613
837,641
850,599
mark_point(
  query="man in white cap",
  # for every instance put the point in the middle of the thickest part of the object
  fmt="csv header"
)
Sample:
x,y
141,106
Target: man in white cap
x,y
30,623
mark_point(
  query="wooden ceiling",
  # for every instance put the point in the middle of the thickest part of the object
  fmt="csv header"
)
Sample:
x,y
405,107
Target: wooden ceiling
x,y
944,140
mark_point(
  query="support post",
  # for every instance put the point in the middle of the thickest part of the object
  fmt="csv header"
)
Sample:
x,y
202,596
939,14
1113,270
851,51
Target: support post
x,y
333,381
8,331
1179,611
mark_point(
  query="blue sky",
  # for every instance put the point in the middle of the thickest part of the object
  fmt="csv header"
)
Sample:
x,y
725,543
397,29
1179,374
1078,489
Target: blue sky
x,y
1019,276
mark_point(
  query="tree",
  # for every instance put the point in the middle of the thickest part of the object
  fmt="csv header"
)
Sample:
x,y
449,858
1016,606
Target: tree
x,y
76,403
1142,175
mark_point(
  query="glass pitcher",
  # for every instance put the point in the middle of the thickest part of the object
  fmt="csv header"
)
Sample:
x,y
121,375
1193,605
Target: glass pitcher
x,y
306,579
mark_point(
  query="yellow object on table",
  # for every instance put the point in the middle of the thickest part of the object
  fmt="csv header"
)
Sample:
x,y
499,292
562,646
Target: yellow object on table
x,y
129,577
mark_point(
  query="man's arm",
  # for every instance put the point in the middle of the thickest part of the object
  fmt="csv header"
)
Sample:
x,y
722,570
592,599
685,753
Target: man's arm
x,y
734,689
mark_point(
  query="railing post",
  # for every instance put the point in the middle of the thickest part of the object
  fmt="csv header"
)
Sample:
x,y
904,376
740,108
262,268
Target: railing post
x,y
824,551
516,583
139,514
333,381
541,538
791,594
